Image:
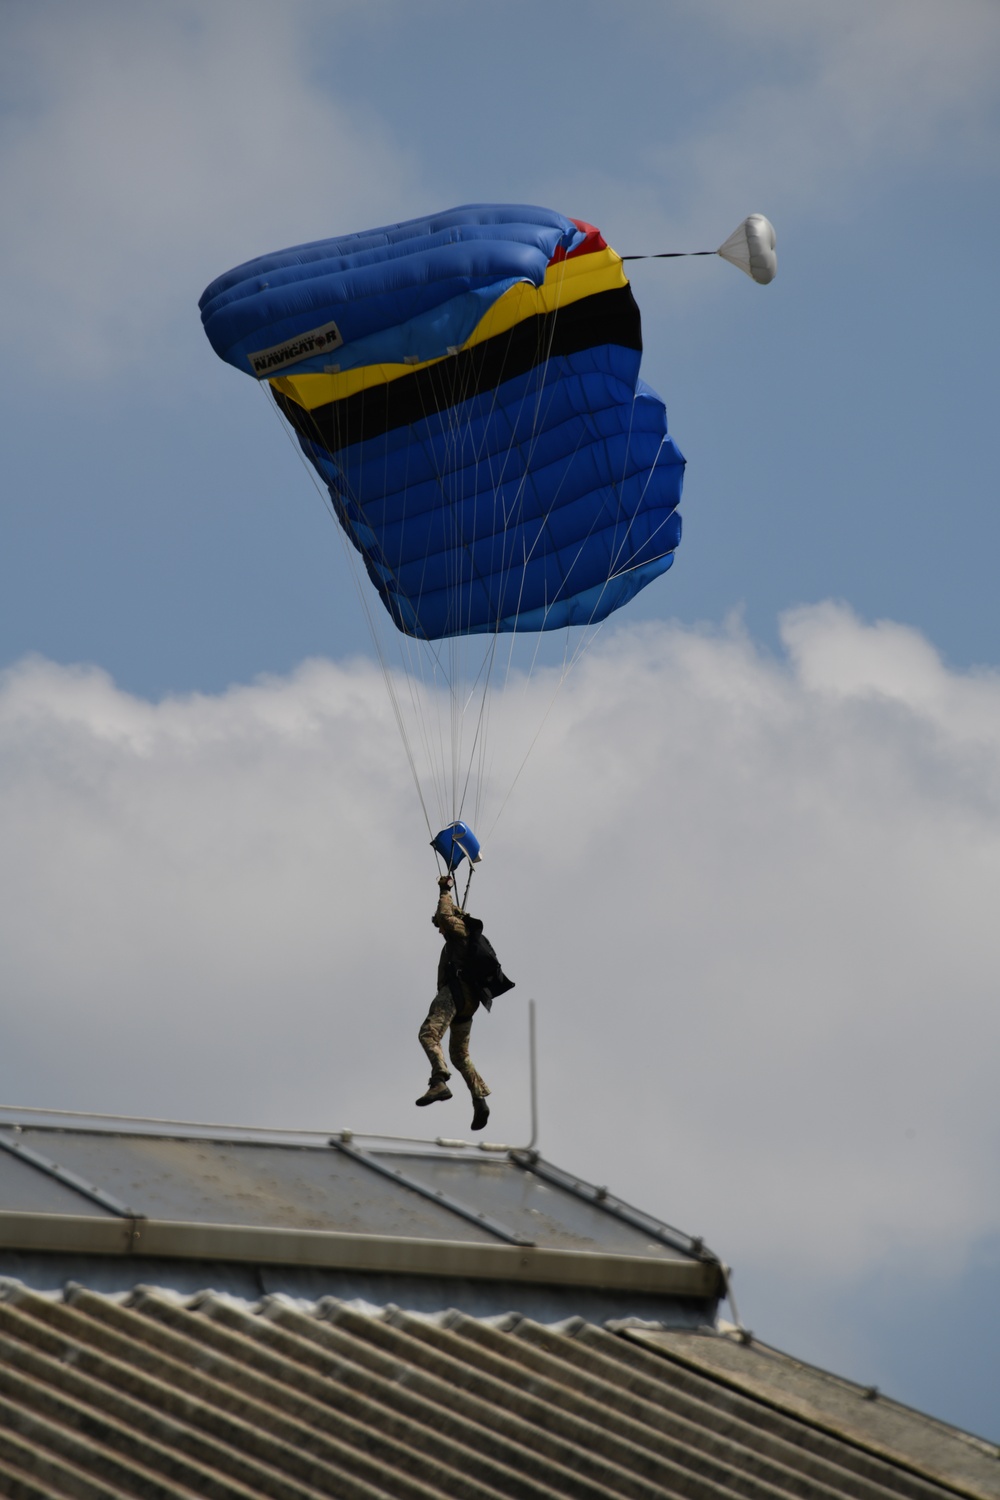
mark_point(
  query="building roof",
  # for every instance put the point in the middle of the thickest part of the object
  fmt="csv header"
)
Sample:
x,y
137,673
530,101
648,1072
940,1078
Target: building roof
x,y
205,1311
158,1396
314,1214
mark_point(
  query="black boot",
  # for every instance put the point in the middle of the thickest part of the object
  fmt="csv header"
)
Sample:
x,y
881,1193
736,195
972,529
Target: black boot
x,y
434,1093
480,1112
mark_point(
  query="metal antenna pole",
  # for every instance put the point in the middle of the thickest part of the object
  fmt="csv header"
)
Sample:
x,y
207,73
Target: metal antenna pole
x,y
533,1059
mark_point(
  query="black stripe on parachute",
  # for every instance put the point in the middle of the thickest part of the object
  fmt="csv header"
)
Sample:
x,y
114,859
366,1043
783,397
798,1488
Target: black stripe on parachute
x,y
605,318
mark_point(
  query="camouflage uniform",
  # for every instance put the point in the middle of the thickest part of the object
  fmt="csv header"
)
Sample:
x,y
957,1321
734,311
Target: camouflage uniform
x,y
445,1011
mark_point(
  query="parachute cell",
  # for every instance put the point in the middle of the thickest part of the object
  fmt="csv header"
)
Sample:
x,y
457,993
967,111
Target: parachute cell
x,y
467,387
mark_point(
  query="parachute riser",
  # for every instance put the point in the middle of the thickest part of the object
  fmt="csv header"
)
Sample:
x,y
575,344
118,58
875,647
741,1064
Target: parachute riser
x,y
465,894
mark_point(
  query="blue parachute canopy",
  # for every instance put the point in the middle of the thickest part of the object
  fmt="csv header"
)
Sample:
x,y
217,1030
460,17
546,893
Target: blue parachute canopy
x,y
467,386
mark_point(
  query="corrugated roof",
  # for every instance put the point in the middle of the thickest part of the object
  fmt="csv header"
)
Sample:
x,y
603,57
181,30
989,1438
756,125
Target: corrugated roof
x,y
156,1397
842,1408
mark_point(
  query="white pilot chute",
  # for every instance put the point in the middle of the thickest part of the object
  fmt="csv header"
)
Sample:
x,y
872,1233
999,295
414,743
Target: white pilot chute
x,y
751,247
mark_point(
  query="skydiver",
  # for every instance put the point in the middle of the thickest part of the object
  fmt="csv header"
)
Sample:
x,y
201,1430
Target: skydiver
x,y
469,975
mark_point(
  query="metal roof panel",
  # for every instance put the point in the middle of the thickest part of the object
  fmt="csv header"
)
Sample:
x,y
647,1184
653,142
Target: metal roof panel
x,y
264,1185
542,1212
342,1185
23,1187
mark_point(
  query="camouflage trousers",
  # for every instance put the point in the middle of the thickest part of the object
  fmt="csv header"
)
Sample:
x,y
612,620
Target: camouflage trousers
x,y
441,1018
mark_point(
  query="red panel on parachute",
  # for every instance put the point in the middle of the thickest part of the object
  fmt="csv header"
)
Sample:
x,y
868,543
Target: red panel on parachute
x,y
594,241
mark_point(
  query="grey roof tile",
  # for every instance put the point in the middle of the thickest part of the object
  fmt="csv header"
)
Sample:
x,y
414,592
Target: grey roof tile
x,y
858,1423
224,1400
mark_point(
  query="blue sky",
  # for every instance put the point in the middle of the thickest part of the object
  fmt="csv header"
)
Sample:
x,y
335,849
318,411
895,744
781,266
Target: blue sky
x,y
811,752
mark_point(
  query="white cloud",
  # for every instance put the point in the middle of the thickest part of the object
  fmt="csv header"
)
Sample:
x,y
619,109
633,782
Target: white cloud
x,y
754,898
859,90
804,112
145,149
150,148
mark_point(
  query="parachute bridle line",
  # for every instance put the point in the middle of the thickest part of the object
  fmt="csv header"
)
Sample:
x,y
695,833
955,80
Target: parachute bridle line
x,y
670,255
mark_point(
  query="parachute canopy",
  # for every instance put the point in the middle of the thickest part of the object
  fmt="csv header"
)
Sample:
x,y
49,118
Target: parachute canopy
x,y
467,387
751,247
